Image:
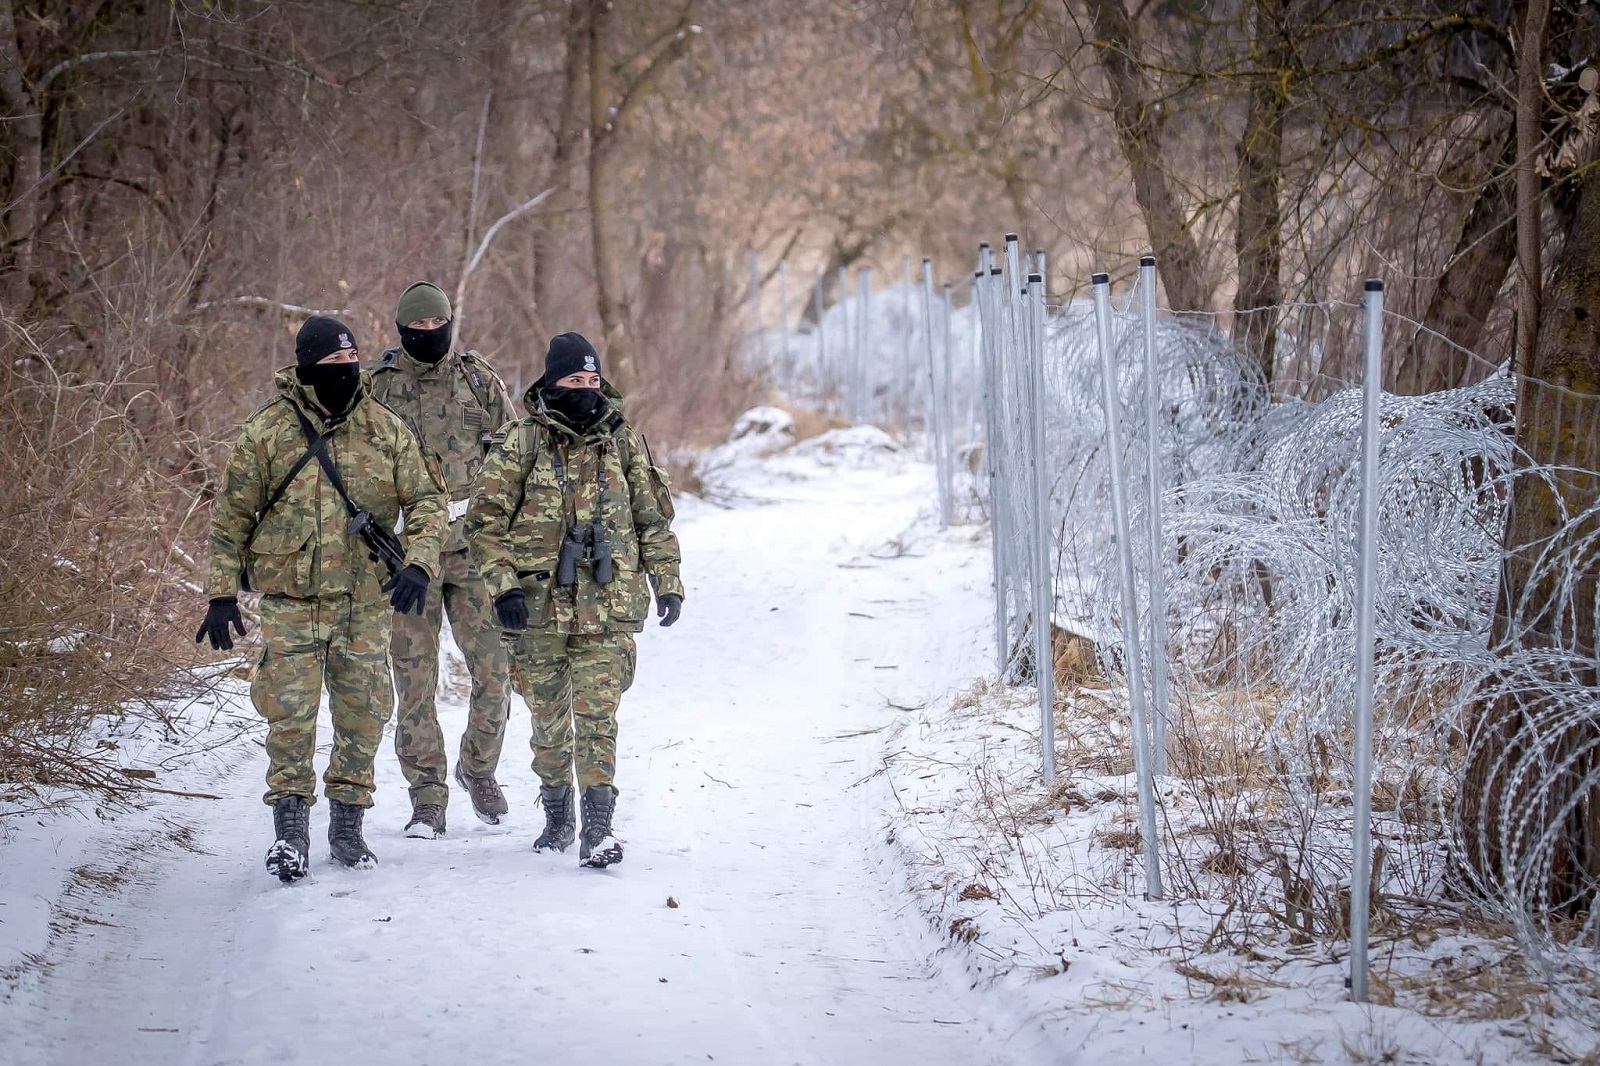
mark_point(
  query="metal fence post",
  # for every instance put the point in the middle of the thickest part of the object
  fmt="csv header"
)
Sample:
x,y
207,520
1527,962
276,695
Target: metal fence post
x,y
1366,597
983,283
1159,689
847,360
940,452
1043,584
905,386
1100,289
948,412
755,295
783,318
822,345
863,390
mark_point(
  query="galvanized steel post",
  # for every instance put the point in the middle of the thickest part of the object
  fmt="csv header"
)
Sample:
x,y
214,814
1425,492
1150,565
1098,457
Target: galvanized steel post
x,y
1100,290
1043,596
1159,689
1366,602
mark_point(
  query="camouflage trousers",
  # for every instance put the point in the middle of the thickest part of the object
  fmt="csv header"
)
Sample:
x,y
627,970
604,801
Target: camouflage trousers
x,y
414,651
573,684
308,643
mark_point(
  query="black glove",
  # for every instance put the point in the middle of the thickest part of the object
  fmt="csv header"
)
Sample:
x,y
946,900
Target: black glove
x,y
408,589
668,607
511,608
223,611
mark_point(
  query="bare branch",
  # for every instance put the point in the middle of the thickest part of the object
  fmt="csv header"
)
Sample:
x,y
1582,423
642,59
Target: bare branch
x,y
270,305
91,57
483,246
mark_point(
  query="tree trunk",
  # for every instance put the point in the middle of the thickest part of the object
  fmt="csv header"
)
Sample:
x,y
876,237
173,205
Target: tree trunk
x,y
23,132
1530,104
1139,125
602,131
1547,597
563,161
1259,236
1468,289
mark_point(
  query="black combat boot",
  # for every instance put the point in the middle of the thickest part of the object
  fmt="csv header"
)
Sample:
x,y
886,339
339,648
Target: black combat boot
x,y
289,858
344,836
560,822
596,846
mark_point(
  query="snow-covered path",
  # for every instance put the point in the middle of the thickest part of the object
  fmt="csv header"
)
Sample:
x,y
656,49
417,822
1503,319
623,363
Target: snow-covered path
x,y
744,743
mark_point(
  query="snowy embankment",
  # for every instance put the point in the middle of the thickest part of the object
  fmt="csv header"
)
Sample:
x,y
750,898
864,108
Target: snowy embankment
x,y
1040,892
758,917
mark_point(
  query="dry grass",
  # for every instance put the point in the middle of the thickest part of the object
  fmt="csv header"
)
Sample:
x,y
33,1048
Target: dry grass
x,y
809,423
100,487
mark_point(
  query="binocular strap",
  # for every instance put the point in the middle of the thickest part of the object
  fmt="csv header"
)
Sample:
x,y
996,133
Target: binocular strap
x,y
599,480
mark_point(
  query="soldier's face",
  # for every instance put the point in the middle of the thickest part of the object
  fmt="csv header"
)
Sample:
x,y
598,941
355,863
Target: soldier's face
x,y
583,379
343,355
426,323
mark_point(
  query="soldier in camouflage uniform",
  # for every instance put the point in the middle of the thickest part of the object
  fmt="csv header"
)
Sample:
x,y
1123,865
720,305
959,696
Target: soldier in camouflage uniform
x,y
569,517
457,403
282,528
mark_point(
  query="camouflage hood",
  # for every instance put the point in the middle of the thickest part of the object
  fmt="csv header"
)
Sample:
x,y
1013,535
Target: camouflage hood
x,y
604,426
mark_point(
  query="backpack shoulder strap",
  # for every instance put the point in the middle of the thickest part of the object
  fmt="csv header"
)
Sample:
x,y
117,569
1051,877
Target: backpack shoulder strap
x,y
481,378
529,431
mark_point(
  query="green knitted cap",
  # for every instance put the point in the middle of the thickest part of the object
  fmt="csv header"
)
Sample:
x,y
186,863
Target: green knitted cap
x,y
422,300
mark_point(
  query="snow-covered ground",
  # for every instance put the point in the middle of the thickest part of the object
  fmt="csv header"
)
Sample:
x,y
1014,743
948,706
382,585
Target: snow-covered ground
x,y
758,917
838,852
1041,892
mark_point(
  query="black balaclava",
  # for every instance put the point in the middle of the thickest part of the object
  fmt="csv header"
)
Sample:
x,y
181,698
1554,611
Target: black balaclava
x,y
427,345
579,408
425,300
334,383
571,353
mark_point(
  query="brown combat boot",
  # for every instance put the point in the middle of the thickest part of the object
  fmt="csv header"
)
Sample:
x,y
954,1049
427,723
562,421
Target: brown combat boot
x,y
427,822
488,802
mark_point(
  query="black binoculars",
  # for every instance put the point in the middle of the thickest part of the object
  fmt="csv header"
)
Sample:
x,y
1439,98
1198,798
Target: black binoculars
x,y
584,544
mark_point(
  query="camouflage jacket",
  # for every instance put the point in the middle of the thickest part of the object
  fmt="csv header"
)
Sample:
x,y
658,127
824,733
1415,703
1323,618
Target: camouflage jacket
x,y
544,477
300,547
457,405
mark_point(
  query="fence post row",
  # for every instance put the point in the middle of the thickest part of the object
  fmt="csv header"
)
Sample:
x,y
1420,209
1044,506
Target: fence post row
x,y
1100,289
1009,334
1366,599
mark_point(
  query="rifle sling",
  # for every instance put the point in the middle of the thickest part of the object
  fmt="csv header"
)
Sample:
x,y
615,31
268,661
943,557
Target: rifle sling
x,y
317,445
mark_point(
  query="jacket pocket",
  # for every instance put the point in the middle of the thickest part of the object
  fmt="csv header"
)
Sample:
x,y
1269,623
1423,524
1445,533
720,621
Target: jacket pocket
x,y
279,561
536,587
627,597
662,487
539,523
